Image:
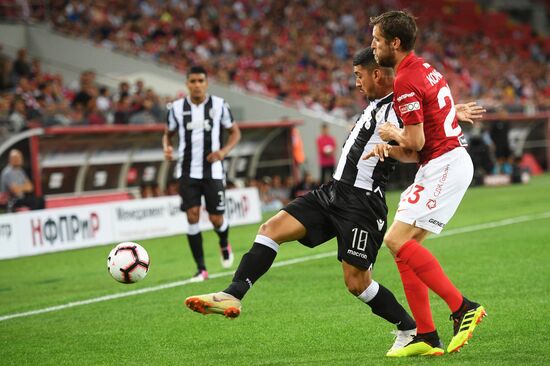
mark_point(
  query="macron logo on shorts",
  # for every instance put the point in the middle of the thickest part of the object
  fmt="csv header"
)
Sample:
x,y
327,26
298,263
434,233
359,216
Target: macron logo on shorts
x,y
409,107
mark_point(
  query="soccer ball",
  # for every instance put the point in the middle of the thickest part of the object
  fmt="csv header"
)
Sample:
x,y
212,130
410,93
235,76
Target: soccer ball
x,y
128,262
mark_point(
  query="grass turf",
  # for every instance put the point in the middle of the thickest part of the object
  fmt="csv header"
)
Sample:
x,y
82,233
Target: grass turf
x,y
299,314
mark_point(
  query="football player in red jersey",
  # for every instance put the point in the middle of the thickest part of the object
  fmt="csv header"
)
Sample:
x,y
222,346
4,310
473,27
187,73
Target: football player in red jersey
x,y
432,137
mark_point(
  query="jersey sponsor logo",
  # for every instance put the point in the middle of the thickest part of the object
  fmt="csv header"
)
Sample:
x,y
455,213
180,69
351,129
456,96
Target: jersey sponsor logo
x,y
441,182
435,222
380,223
431,204
204,124
404,96
409,107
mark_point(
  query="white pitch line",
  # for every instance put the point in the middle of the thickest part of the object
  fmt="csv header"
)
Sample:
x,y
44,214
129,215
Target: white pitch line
x,y
466,229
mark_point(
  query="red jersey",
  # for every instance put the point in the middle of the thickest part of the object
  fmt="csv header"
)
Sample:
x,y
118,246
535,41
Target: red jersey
x,y
421,95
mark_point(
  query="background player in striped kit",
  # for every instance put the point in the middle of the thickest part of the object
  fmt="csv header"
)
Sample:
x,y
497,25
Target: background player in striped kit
x,y
198,120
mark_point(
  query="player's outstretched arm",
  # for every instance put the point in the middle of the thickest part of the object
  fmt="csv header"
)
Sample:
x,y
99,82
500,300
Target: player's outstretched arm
x,y
410,137
399,153
469,112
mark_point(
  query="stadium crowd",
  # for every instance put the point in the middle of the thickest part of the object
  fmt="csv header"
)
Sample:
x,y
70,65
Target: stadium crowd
x,y
254,45
28,95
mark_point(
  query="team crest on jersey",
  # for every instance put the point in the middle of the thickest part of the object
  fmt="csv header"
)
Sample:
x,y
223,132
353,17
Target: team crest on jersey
x,y
365,121
409,107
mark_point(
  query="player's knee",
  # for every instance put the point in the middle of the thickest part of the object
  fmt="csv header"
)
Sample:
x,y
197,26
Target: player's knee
x,y
192,218
357,286
392,243
266,229
216,220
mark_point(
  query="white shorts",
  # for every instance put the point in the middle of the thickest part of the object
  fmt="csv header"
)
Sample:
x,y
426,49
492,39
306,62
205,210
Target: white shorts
x,y
431,201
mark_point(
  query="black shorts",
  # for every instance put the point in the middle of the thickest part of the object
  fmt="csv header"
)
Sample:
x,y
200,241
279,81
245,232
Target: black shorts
x,y
213,190
356,217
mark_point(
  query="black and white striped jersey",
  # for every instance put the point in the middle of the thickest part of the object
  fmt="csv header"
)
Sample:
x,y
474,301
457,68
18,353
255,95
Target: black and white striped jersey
x,y
371,174
200,132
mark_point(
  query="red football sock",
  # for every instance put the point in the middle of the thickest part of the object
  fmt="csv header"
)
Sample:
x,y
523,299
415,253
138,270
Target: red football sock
x,y
428,269
417,297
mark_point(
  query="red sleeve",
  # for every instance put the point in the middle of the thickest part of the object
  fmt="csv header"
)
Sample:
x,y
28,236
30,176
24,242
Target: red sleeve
x,y
408,100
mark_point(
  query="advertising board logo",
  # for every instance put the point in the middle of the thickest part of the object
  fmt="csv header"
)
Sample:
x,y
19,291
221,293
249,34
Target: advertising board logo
x,y
5,231
237,207
64,229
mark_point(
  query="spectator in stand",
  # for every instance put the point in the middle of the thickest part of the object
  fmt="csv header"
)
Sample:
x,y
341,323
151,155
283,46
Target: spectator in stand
x,y
25,91
145,115
123,91
123,110
4,117
172,187
21,67
279,191
304,186
94,116
326,150
269,201
15,183
5,70
18,115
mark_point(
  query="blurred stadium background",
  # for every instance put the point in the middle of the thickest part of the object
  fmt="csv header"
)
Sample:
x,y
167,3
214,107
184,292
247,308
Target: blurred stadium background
x,y
84,87
114,66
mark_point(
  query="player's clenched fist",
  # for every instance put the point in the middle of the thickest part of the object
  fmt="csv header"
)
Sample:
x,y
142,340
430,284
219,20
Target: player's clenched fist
x,y
387,131
168,151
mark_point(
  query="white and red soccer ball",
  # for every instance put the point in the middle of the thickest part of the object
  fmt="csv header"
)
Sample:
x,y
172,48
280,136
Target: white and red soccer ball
x,y
128,262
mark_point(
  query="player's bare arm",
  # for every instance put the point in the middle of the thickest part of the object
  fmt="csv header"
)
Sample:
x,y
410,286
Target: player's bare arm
x,y
410,137
167,144
383,151
234,138
469,112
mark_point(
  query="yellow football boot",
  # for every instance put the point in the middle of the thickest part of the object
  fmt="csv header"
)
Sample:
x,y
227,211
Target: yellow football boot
x,y
421,345
464,324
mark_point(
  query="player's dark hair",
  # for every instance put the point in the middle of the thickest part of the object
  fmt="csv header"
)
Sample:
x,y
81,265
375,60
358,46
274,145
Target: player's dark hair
x,y
197,70
397,24
365,58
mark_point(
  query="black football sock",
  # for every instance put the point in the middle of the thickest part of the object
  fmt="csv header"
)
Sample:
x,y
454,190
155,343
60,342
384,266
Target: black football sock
x,y
432,338
384,304
194,237
223,234
253,265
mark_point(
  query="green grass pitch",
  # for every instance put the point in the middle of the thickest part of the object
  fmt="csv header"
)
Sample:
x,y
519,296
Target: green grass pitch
x,y
297,314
